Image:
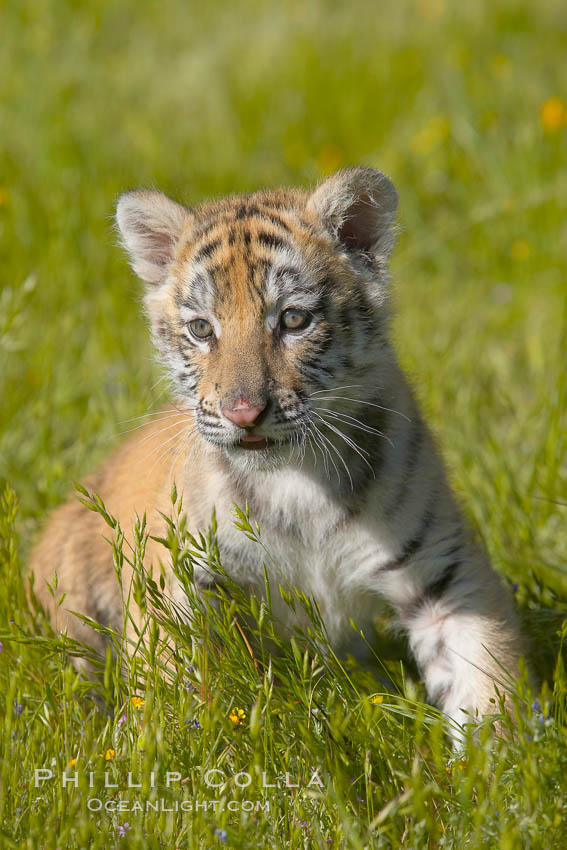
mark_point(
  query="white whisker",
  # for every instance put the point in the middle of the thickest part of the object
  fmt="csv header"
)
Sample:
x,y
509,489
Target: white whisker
x,y
165,418
355,423
361,401
163,449
163,430
149,416
337,452
343,387
354,446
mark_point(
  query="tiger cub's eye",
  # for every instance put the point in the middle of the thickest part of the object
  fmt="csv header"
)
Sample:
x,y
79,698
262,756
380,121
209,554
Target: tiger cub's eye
x,y
201,329
294,320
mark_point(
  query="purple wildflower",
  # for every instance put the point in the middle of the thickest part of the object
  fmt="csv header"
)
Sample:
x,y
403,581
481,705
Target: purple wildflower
x,y
221,834
18,708
123,828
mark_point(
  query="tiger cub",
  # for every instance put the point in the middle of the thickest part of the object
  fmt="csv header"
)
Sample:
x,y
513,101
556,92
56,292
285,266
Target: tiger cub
x,y
270,313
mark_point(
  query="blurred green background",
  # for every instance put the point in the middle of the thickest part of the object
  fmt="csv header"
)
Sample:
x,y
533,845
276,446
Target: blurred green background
x,y
463,105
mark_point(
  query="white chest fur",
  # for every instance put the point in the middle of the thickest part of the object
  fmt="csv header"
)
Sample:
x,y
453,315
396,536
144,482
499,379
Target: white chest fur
x,y
308,541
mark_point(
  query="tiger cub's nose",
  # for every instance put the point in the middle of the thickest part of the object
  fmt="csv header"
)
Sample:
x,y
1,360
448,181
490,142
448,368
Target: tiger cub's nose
x,y
244,413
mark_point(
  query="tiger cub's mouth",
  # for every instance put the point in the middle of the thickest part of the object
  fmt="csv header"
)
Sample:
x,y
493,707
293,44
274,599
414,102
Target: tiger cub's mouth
x,y
254,442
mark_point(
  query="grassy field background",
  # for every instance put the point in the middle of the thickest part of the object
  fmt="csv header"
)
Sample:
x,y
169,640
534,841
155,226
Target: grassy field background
x,y
465,107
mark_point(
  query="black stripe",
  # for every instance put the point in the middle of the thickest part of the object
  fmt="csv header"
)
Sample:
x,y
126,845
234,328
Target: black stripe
x,y
315,370
414,544
210,419
216,269
412,458
270,240
453,551
275,219
273,203
433,591
206,251
263,215
191,299
242,211
436,589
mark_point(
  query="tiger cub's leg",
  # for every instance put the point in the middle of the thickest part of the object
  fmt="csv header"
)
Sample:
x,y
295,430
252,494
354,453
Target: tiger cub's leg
x,y
462,631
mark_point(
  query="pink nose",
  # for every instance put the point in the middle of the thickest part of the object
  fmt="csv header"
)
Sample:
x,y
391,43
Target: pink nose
x,y
243,413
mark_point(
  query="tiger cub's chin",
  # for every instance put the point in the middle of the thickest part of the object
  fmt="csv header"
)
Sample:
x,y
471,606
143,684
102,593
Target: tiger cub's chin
x,y
270,313
265,459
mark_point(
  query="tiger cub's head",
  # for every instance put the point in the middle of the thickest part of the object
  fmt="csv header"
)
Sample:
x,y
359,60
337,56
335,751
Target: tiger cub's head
x,y
261,305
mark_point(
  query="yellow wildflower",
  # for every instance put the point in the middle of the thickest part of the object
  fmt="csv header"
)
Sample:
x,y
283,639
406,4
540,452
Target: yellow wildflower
x,y
520,250
553,115
72,763
457,765
501,65
429,10
329,159
436,130
237,715
137,702
377,699
109,754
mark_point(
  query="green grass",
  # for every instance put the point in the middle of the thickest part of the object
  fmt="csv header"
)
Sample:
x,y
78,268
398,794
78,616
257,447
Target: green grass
x,y
204,99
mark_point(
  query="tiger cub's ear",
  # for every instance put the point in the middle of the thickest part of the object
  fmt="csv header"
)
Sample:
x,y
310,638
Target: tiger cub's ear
x,y
150,225
357,206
